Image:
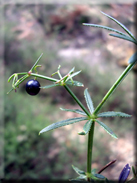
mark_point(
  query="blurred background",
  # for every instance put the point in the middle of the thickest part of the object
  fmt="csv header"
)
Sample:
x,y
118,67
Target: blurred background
x,y
56,31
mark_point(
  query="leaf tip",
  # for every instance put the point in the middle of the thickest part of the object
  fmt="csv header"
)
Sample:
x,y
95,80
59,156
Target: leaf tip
x,y
81,133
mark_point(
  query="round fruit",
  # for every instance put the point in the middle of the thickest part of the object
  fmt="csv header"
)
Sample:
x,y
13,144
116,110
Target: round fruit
x,y
32,87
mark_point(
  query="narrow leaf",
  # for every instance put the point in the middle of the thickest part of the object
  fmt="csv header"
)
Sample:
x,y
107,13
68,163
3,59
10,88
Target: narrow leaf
x,y
133,58
49,86
81,178
75,83
78,171
62,123
134,171
75,110
72,70
120,24
113,114
11,77
99,176
108,130
105,27
86,127
36,62
124,37
72,75
93,171
88,101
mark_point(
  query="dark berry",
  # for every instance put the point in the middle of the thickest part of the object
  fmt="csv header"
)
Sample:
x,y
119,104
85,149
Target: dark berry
x,y
32,87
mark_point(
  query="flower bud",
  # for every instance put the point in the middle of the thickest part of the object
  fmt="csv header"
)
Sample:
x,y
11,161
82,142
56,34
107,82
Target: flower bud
x,y
124,174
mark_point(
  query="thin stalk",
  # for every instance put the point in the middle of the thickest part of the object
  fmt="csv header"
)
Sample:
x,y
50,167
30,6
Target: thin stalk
x,y
90,135
89,150
44,77
77,100
115,85
36,62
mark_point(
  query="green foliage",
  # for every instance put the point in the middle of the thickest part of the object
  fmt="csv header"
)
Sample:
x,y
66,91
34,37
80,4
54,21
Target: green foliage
x,y
88,101
82,175
91,117
86,128
108,130
113,114
121,25
75,111
62,123
120,35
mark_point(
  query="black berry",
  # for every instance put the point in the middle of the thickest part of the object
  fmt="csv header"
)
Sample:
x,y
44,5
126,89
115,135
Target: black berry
x,y
32,87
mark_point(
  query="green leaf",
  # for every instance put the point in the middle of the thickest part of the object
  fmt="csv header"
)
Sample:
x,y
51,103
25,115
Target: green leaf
x,y
11,77
113,114
75,111
72,75
120,24
105,27
62,123
78,171
49,86
93,171
75,83
72,70
99,176
81,178
88,101
124,37
36,62
133,170
133,58
86,127
108,130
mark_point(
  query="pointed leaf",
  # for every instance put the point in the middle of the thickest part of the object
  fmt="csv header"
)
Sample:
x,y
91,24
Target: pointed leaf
x,y
93,171
81,178
74,83
134,171
75,110
36,62
120,24
72,75
105,27
86,127
113,114
124,37
49,86
108,130
62,123
88,101
72,70
78,171
99,176
133,58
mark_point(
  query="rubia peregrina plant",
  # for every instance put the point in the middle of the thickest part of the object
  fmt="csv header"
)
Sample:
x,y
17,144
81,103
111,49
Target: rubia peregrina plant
x,y
90,114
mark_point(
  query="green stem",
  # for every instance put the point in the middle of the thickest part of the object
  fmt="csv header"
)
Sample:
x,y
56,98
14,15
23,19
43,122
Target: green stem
x,y
36,62
44,77
115,85
91,132
89,150
90,135
77,100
